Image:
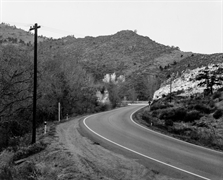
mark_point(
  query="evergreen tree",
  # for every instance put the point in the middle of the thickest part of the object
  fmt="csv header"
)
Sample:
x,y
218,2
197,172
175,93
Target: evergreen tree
x,y
210,78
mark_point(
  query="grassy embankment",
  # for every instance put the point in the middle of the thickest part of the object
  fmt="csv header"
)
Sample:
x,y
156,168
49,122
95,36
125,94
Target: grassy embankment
x,y
198,120
15,161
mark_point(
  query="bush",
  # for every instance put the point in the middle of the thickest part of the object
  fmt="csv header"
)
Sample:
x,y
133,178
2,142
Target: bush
x,y
103,107
168,122
166,114
160,106
6,173
28,151
29,171
202,108
173,114
217,95
4,140
146,116
6,165
220,89
155,113
192,116
217,114
179,114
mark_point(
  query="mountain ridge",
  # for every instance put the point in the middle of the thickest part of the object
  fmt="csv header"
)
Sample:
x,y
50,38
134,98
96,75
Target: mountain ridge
x,y
125,53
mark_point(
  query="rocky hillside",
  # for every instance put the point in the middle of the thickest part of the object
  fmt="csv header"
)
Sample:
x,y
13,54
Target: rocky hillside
x,y
140,59
187,83
126,53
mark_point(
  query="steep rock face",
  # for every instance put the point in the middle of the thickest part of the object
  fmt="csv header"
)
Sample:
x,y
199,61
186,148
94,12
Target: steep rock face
x,y
187,84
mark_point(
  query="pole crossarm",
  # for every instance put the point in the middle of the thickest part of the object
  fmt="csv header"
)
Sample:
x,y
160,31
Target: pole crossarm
x,y
35,27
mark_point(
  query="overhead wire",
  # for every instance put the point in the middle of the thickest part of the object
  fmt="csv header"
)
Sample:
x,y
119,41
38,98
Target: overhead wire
x,y
45,28
60,31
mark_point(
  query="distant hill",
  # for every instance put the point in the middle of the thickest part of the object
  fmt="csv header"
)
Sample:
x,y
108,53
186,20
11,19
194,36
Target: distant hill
x,y
144,62
125,53
11,34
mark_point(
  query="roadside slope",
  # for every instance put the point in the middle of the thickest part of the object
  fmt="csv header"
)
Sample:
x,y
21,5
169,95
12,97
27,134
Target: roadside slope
x,y
71,155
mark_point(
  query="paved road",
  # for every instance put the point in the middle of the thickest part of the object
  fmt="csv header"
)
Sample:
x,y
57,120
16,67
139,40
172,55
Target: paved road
x,y
117,126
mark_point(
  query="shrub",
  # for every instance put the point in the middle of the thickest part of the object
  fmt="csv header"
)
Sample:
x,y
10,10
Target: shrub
x,y
28,171
217,95
103,107
211,105
168,122
173,114
217,114
166,114
220,89
147,117
4,140
160,106
202,108
30,150
194,135
179,114
6,173
6,165
155,113
192,115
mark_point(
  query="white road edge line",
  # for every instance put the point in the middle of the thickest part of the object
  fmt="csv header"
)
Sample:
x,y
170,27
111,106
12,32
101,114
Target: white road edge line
x,y
84,121
170,136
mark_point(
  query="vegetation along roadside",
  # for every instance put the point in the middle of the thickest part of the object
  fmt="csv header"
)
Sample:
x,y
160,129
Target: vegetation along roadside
x,y
195,119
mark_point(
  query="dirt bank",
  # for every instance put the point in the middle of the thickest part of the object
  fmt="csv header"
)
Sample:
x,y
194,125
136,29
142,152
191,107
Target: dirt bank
x,y
70,155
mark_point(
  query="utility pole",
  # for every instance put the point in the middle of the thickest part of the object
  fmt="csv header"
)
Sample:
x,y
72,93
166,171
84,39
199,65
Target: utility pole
x,y
35,27
59,111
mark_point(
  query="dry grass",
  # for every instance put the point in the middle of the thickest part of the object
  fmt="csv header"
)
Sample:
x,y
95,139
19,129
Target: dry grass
x,y
70,155
204,130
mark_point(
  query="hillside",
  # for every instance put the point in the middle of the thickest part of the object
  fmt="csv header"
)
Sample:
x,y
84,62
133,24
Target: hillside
x,y
189,104
125,53
185,83
193,61
144,62
11,34
193,111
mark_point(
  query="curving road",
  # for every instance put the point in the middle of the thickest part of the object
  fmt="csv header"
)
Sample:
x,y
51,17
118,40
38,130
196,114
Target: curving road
x,y
190,161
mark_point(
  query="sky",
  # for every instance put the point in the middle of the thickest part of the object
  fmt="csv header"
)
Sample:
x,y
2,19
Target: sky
x,y
191,25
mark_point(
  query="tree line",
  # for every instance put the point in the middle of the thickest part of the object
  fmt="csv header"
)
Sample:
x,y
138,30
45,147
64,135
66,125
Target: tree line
x,y
61,78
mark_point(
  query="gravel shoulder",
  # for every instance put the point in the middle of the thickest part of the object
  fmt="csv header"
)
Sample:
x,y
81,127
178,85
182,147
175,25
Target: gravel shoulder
x,y
71,155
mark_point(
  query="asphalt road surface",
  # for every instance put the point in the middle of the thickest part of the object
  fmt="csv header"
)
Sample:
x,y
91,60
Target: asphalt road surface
x,y
117,127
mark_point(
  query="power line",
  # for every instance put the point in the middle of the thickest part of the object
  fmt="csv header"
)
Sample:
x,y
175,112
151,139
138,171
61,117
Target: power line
x,y
44,28
60,31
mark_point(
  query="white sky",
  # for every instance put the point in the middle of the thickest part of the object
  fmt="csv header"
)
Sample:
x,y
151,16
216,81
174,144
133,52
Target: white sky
x,y
195,26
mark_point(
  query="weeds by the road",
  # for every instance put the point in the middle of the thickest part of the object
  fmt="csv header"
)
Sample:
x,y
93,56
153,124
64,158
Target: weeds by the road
x,y
197,120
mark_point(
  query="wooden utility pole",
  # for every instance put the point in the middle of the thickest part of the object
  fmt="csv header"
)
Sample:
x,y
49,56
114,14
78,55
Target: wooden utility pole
x,y
59,111
35,27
